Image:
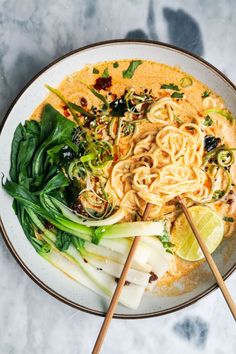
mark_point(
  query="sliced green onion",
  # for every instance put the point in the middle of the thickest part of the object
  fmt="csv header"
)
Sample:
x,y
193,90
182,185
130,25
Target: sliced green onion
x,y
223,112
88,157
111,127
118,133
81,110
99,96
65,101
96,132
186,82
225,158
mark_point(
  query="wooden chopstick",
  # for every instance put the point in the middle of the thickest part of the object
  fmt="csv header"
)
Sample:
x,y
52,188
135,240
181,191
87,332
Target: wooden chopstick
x,y
209,260
117,293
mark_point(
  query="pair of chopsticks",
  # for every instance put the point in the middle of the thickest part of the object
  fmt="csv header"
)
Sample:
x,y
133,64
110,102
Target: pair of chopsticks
x,y
116,295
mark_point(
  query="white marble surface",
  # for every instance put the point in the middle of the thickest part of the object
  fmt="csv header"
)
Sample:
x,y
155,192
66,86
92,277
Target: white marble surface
x,y
32,33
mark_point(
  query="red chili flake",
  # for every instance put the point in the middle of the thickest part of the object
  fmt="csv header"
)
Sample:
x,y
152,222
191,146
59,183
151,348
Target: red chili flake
x,y
231,192
230,201
48,225
83,102
78,208
102,83
153,277
114,97
116,157
126,282
66,113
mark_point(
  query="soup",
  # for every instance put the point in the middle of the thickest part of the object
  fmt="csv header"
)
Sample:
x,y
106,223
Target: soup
x,y
137,132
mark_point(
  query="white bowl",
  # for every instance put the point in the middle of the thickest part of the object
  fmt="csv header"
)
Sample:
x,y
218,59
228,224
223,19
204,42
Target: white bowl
x,y
201,282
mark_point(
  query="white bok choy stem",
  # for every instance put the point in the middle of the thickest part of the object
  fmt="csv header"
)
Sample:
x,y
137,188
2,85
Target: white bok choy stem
x,y
132,229
115,269
72,264
130,297
159,259
123,245
115,256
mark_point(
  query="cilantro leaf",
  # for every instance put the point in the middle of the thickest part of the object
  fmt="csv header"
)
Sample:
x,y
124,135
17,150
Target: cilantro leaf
x,y
177,95
105,73
228,219
218,194
206,93
129,72
95,71
170,87
208,121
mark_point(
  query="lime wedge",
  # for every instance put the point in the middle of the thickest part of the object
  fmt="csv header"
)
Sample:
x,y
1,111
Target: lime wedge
x,y
210,227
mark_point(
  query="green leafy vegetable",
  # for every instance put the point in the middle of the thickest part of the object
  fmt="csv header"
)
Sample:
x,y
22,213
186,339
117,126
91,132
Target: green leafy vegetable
x,y
170,87
63,240
60,131
177,95
25,142
228,219
18,135
208,121
115,65
223,112
95,71
105,73
129,72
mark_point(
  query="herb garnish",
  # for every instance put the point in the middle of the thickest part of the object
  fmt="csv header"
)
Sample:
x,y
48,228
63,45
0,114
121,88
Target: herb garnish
x,y
206,94
170,87
218,194
165,240
129,72
208,121
115,65
95,71
178,119
177,95
105,73
228,219
128,129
